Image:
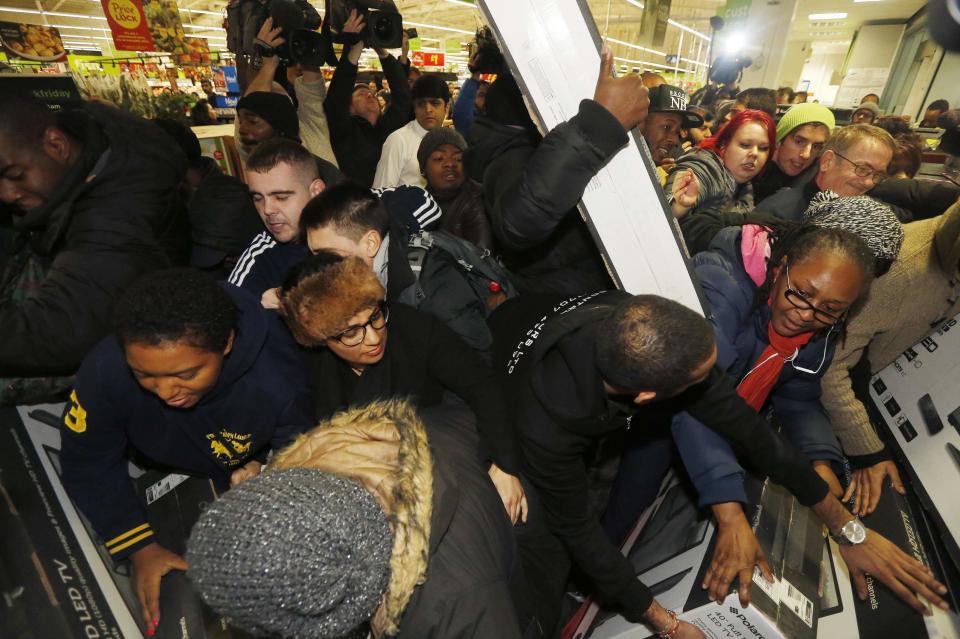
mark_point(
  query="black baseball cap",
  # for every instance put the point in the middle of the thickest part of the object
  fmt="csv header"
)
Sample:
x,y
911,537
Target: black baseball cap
x,y
670,99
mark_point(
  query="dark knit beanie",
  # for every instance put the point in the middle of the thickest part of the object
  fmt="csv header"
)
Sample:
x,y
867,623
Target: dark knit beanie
x,y
276,109
872,220
438,137
293,553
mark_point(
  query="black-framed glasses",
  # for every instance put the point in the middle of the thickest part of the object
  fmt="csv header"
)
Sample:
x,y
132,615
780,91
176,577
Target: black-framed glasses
x,y
355,335
799,301
864,170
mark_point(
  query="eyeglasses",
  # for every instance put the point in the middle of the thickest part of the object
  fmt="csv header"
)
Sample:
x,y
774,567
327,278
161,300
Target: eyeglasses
x,y
355,335
864,170
799,300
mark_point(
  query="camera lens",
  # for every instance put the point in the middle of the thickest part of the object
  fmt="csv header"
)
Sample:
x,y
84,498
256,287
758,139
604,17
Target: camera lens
x,y
383,28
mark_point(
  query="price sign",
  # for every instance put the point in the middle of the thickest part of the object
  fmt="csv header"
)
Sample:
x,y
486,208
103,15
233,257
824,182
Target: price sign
x,y
424,59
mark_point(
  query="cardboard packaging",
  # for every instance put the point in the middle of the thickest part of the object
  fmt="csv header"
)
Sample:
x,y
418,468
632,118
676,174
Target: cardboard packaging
x,y
672,547
918,399
56,577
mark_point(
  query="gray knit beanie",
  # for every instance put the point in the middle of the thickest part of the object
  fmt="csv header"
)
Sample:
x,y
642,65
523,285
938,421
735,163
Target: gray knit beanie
x,y
437,137
294,553
872,220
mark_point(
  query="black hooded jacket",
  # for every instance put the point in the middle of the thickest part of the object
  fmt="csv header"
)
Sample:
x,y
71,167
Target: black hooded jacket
x,y
114,217
357,143
545,350
531,191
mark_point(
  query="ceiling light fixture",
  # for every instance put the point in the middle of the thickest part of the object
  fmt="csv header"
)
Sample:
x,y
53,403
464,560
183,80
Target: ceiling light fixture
x,y
689,30
826,16
463,3
635,3
51,13
71,26
650,64
635,46
434,26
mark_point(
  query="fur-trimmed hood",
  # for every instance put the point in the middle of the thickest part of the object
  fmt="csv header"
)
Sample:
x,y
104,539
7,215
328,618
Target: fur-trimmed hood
x,y
384,448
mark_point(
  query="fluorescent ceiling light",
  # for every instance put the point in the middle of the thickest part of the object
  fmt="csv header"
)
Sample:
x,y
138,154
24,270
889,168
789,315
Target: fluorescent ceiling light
x,y
689,30
72,26
635,3
635,46
434,26
51,13
208,13
644,63
867,1
827,16
463,3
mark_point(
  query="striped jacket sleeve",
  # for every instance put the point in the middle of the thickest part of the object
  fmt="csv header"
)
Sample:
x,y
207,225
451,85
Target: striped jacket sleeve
x,y
413,206
94,463
260,244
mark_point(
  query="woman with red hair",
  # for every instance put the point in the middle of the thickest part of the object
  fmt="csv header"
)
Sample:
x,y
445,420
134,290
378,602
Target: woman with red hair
x,y
711,188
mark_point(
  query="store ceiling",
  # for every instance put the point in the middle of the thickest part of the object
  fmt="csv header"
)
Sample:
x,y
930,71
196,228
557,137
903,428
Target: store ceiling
x,y
440,20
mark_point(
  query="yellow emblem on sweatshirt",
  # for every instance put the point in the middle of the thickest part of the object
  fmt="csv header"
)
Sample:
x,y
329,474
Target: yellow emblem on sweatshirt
x,y
228,447
76,417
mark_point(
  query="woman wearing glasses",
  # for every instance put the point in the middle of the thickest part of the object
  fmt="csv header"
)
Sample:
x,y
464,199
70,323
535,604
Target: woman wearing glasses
x,y
365,350
777,322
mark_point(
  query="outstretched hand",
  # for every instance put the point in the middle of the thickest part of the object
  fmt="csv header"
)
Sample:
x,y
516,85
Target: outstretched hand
x,y
901,573
625,98
734,557
867,484
150,564
686,190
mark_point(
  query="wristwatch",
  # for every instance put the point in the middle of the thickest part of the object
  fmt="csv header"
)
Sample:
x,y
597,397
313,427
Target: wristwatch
x,y
852,533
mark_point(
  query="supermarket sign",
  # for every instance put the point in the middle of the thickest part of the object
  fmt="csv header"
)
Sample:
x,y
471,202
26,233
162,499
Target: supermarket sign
x,y
423,59
128,25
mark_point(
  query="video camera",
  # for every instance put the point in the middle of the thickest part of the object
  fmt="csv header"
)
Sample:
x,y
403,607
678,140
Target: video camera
x,y
726,69
298,20
485,56
383,23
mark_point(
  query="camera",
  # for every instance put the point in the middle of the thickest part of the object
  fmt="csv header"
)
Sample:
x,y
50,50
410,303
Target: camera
x,y
485,54
298,20
726,69
383,23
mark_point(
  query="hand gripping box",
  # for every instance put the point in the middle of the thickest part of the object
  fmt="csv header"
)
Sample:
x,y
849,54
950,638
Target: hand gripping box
x,y
672,546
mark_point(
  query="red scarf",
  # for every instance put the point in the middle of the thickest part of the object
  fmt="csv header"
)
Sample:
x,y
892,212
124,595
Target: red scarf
x,y
756,386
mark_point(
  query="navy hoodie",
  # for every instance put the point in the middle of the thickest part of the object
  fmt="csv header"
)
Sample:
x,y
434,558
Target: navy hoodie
x,y
261,400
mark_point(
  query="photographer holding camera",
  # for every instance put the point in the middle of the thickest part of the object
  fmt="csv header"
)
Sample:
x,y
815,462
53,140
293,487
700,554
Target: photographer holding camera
x,y
310,88
357,128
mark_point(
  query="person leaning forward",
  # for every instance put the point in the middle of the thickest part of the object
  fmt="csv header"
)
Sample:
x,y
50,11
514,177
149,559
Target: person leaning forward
x,y
577,369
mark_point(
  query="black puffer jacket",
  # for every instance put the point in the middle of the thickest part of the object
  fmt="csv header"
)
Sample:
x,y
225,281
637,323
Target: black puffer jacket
x,y
531,193
545,351
116,216
357,143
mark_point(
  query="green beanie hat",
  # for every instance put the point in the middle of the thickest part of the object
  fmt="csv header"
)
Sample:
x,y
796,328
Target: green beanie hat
x,y
805,113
